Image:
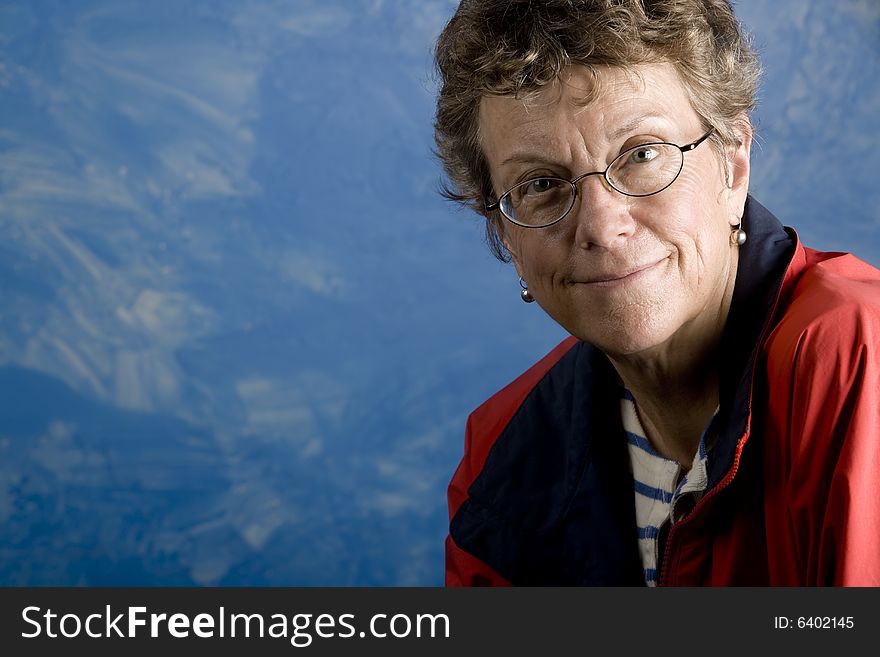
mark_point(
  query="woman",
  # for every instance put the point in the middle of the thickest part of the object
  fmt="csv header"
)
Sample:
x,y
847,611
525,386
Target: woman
x,y
715,417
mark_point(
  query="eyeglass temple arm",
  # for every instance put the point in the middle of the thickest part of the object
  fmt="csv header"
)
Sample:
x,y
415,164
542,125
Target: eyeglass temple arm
x,y
693,145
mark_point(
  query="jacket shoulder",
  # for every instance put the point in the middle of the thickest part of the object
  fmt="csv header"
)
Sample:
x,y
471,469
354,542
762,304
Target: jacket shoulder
x,y
486,423
833,306
497,411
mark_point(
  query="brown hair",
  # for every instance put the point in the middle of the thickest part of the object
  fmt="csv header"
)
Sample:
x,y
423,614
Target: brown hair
x,y
514,47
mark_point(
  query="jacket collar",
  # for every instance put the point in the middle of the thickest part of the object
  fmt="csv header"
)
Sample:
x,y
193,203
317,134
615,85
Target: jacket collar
x,y
763,260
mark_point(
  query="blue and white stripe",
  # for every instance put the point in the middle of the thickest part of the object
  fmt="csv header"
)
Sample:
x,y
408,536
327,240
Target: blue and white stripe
x,y
657,484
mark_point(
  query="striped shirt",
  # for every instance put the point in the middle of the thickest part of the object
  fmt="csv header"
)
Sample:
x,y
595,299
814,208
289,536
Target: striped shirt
x,y
662,494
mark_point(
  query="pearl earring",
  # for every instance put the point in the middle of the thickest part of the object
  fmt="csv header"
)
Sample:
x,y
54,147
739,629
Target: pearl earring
x,y
525,295
738,235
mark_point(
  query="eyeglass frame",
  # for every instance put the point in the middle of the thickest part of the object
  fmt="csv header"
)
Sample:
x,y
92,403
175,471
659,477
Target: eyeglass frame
x,y
687,148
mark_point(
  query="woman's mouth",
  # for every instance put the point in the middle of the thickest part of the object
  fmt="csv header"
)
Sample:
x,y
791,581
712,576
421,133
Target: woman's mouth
x,y
621,276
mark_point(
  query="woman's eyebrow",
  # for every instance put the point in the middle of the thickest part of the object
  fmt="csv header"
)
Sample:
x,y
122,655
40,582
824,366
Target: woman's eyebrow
x,y
632,125
526,158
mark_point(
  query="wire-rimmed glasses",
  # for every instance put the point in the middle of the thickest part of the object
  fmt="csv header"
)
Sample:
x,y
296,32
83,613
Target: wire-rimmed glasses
x,y
642,170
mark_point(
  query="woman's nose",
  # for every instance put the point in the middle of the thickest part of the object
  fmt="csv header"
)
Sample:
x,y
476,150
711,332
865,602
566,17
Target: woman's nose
x,y
601,215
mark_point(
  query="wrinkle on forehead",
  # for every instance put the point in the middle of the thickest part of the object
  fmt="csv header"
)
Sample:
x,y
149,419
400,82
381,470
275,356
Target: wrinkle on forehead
x,y
580,86
583,91
579,90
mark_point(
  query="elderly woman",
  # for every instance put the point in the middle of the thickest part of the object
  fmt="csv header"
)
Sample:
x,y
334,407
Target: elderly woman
x,y
715,417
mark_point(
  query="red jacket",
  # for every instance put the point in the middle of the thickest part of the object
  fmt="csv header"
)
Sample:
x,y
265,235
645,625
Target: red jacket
x,y
544,496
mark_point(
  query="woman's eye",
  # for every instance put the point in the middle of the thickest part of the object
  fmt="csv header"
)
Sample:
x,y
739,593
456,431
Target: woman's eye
x,y
540,186
642,154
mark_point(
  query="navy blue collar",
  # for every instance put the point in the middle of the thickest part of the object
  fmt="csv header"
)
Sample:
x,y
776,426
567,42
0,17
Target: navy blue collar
x,y
763,260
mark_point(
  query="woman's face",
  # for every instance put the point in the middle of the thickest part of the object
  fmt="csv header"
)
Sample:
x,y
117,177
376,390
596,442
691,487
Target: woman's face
x,y
624,273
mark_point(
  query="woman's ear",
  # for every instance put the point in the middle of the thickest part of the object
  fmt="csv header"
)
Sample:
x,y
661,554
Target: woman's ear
x,y
514,255
738,160
499,227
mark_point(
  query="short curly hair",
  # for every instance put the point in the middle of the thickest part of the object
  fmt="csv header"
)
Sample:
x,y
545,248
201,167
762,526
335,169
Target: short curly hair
x,y
515,47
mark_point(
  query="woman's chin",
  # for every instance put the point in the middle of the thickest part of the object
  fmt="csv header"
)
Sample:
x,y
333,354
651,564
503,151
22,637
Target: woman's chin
x,y
639,335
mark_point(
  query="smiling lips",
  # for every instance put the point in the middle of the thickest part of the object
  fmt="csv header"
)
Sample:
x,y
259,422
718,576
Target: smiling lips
x,y
622,276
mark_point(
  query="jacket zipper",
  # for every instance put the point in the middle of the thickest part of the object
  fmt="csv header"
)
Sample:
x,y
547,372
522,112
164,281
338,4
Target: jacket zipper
x,y
724,483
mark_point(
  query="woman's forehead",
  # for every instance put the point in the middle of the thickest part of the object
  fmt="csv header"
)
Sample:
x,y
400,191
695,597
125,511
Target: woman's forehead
x,y
581,92
603,103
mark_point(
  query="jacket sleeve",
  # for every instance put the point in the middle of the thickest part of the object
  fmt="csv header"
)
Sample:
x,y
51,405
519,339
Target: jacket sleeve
x,y
833,444
462,568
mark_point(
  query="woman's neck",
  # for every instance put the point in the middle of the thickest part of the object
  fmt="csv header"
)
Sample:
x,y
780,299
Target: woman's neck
x,y
676,385
674,410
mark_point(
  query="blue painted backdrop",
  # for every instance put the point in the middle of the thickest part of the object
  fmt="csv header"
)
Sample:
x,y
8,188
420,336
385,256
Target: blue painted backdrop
x,y
239,330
